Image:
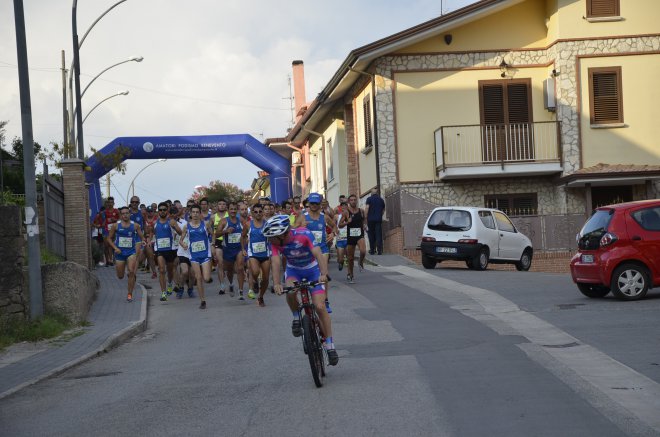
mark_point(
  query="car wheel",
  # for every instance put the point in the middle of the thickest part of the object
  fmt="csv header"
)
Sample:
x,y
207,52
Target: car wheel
x,y
428,262
480,262
593,291
525,261
630,282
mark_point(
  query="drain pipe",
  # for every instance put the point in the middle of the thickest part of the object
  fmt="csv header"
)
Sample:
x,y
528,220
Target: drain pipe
x,y
322,136
375,122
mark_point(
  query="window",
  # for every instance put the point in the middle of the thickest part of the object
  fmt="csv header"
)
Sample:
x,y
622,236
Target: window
x,y
487,219
648,218
366,112
328,160
503,223
513,204
605,94
450,220
506,116
602,8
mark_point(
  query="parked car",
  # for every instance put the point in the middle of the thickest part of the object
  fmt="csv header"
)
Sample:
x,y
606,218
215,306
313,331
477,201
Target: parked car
x,y
477,236
619,251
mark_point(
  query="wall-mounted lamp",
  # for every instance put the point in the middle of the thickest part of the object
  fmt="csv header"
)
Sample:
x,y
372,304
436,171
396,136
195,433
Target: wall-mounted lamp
x,y
503,67
555,73
448,38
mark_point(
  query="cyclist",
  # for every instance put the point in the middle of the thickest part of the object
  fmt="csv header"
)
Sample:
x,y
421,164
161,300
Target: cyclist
x,y
304,260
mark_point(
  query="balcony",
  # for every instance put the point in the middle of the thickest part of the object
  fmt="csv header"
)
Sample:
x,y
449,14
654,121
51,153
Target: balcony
x,y
498,150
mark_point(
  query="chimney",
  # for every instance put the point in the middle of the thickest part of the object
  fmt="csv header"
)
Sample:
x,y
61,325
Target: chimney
x,y
299,87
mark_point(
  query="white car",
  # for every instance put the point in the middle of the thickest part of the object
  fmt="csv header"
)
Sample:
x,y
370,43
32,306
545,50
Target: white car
x,y
477,236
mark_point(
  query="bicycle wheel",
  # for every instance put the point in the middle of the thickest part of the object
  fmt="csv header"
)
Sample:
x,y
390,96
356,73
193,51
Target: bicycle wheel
x,y
320,336
314,354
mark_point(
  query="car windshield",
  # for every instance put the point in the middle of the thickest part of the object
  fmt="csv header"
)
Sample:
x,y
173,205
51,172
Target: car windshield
x,y
450,220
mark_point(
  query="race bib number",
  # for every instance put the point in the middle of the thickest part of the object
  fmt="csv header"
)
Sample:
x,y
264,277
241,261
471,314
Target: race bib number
x,y
259,247
356,232
164,243
318,235
198,246
234,238
126,242
343,233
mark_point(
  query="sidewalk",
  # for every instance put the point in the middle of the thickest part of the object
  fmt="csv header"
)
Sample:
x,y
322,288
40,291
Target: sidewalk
x,y
113,320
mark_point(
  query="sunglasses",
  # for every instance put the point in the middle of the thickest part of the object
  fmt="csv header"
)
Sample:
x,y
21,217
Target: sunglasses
x,y
314,203
162,209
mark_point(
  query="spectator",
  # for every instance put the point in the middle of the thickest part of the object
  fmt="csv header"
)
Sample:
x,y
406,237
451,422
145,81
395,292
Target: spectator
x,y
375,211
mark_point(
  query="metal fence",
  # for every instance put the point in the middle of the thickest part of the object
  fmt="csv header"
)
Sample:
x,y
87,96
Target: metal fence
x,y
53,198
553,232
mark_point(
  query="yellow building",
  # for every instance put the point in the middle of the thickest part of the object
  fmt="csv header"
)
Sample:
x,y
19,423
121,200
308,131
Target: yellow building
x,y
542,108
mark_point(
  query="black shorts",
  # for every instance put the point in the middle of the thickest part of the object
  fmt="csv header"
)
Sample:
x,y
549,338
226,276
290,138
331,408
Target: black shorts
x,y
184,260
218,244
169,255
260,258
353,241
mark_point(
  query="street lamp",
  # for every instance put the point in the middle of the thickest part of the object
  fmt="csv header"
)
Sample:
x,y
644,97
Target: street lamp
x,y
131,59
76,65
120,93
132,184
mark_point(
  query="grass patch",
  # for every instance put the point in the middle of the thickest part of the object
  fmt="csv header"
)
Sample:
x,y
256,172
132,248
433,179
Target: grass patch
x,y
15,331
48,257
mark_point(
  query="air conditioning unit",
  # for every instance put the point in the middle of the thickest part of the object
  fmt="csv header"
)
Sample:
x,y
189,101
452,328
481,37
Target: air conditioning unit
x,y
549,99
296,158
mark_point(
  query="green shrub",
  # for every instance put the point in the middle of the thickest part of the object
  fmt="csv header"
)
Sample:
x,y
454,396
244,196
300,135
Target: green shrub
x,y
15,330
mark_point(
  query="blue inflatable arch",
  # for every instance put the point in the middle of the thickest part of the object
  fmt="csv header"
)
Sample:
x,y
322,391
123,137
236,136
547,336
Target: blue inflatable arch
x,y
194,147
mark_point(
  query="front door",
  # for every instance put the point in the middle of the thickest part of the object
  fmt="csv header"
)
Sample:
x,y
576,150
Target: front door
x,y
506,115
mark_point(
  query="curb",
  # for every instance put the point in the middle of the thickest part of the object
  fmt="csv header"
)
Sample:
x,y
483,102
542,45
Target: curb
x,y
111,342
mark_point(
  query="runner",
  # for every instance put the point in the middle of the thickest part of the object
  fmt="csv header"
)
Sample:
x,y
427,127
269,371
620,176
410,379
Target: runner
x,y
137,217
342,240
218,242
111,217
200,250
304,261
149,221
257,251
122,238
354,221
316,221
232,253
185,277
165,251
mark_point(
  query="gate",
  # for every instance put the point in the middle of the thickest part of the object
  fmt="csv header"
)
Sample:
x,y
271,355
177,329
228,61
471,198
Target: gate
x,y
53,195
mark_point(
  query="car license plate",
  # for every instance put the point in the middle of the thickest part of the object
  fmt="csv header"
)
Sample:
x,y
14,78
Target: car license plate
x,y
587,258
445,249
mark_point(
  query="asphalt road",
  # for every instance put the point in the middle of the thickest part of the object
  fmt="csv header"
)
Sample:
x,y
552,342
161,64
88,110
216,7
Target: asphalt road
x,y
442,352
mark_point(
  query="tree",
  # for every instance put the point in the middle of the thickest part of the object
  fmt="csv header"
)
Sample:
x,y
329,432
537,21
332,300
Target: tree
x,y
217,190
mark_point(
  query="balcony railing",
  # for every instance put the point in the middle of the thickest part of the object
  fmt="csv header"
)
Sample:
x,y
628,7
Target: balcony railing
x,y
498,145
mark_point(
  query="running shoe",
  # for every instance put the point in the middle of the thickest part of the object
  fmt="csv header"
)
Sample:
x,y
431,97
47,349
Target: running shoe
x,y
240,295
350,279
153,275
260,302
129,297
191,292
327,307
163,296
221,292
340,266
296,330
179,294
251,294
169,290
333,358
231,291
272,289
202,306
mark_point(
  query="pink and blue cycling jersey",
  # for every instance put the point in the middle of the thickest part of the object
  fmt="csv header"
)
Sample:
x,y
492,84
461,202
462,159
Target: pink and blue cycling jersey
x,y
298,251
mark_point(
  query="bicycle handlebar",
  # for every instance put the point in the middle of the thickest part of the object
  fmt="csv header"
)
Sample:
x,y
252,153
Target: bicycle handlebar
x,y
298,285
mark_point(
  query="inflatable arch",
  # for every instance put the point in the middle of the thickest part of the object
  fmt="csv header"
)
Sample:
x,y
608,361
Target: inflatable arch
x,y
205,146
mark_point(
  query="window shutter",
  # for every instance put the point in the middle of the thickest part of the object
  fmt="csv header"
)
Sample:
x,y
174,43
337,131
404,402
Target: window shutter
x,y
492,104
602,8
366,109
606,101
518,103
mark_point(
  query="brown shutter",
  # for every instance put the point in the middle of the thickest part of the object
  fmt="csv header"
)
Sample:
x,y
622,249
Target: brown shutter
x,y
602,8
518,103
366,109
605,92
492,104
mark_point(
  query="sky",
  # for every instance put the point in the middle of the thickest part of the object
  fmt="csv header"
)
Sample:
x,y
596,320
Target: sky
x,y
211,67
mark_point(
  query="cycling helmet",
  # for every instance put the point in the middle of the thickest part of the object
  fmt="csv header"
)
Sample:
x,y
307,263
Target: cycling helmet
x,y
276,226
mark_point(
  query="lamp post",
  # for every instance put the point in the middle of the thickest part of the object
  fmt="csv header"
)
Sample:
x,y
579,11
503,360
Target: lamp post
x,y
120,93
132,184
75,65
131,59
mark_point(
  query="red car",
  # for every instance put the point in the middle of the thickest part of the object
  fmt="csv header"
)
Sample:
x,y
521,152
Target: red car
x,y
619,251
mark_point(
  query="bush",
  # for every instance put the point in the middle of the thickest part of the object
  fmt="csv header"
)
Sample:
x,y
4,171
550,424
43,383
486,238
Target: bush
x,y
15,330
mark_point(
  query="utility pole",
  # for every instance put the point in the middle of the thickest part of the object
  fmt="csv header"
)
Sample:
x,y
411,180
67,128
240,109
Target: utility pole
x,y
65,113
107,189
31,212
292,107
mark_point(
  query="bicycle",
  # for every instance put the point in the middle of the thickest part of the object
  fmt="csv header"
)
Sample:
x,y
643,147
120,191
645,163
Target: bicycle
x,y
312,337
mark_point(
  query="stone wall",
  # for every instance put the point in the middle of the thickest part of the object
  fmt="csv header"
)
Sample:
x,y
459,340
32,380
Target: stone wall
x,y
13,302
76,213
69,289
